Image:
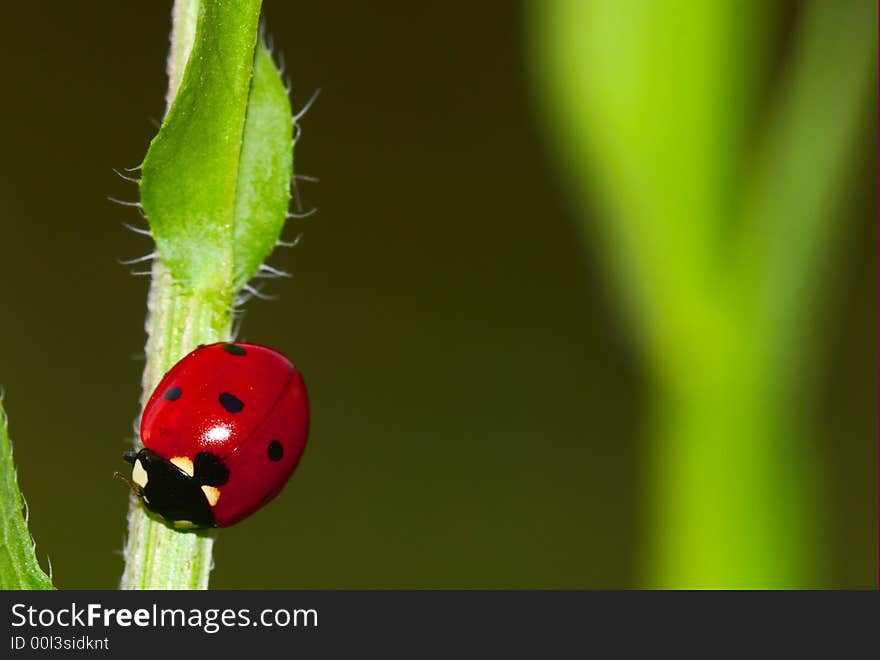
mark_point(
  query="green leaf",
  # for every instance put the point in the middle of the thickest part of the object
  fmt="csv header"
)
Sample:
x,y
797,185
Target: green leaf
x,y
19,568
215,181
265,169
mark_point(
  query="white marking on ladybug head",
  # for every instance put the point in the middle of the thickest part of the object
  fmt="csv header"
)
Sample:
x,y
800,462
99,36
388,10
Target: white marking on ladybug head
x,y
139,474
184,524
184,463
212,494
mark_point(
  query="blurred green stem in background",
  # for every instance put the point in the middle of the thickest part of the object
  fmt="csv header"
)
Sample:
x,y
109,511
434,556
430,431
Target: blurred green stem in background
x,y
718,202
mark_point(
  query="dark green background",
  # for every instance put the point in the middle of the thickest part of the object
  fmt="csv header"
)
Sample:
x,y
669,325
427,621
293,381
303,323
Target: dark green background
x,y
476,405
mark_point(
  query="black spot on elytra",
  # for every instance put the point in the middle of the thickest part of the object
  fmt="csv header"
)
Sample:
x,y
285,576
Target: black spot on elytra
x,y
209,470
234,349
232,403
173,394
276,451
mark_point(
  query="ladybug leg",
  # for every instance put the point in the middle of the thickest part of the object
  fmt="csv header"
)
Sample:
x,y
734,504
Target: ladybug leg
x,y
137,490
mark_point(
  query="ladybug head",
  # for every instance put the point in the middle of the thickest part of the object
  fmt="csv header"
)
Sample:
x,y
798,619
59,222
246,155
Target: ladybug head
x,y
180,489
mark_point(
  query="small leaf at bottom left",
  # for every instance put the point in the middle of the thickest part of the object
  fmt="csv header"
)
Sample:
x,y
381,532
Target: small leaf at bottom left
x,y
19,568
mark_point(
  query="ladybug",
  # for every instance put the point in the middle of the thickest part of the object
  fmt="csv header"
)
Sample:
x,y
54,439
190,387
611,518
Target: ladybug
x,y
222,433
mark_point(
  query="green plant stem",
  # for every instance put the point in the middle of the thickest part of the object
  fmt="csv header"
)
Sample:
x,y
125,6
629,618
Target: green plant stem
x,y
730,497
156,556
184,18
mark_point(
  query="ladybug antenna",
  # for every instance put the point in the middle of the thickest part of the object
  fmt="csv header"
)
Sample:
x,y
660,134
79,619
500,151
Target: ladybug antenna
x,y
137,490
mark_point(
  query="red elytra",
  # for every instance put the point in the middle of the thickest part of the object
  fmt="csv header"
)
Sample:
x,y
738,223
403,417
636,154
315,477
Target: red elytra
x,y
242,405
